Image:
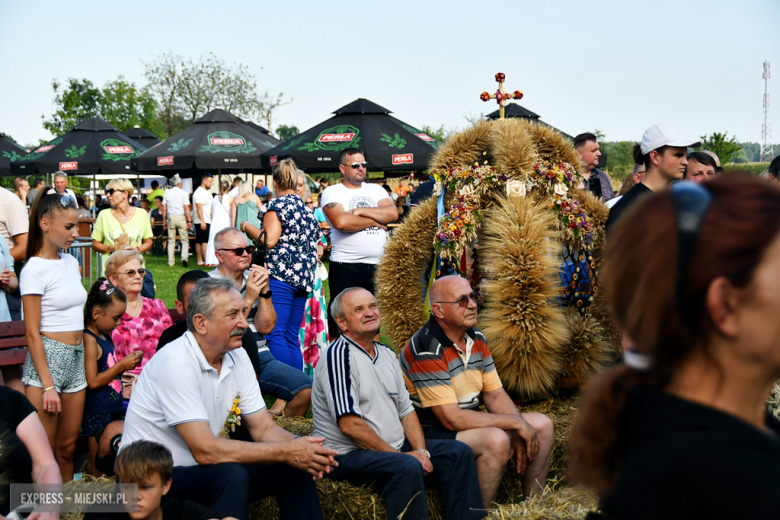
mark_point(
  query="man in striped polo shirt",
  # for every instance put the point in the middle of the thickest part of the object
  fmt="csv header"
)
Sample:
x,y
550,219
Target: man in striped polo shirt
x,y
361,406
447,366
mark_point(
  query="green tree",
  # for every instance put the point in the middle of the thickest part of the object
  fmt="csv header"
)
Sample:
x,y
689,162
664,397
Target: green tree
x,y
186,90
620,161
725,148
442,133
287,132
119,102
76,102
124,105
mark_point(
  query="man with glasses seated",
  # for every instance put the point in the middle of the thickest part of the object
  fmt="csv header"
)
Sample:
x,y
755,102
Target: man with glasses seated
x,y
277,379
358,213
447,367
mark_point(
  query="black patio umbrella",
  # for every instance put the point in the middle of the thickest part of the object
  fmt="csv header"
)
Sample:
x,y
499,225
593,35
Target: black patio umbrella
x,y
144,137
217,142
262,130
91,147
389,144
9,151
515,110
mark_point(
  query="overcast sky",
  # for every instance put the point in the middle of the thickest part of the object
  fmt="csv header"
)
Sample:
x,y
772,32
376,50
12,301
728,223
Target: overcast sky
x,y
617,66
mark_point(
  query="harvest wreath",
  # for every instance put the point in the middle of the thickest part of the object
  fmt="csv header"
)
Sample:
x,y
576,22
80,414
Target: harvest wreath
x,y
510,218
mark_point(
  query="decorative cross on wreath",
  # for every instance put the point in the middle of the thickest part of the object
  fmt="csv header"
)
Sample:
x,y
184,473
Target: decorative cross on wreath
x,y
501,96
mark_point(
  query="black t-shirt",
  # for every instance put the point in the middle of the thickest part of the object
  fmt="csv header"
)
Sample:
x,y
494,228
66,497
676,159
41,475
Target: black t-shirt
x,y
15,460
172,509
248,341
685,460
628,200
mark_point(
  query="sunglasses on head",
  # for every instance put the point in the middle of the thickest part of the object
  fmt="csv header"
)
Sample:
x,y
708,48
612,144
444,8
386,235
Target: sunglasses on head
x,y
132,272
356,165
65,202
238,251
463,301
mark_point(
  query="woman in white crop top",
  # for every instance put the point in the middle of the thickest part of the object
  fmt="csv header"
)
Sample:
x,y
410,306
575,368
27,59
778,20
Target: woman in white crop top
x,y
53,300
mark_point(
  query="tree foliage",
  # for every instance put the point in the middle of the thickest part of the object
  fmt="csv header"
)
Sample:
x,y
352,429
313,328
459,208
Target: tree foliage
x,y
442,133
119,102
726,148
188,89
620,161
286,132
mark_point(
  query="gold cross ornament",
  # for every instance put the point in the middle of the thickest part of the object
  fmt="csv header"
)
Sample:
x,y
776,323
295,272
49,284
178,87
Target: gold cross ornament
x,y
501,97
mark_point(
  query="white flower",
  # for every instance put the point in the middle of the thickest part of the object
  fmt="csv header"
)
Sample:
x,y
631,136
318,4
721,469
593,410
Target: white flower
x,y
515,188
437,188
560,189
468,189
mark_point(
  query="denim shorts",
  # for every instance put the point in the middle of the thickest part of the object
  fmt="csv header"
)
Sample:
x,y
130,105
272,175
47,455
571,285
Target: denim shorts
x,y
280,380
66,364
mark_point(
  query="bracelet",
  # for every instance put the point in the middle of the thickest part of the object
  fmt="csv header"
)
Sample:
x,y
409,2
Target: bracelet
x,y
47,389
243,226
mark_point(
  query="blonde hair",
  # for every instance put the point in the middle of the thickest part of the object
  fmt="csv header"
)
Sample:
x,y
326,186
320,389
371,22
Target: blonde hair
x,y
286,175
121,185
120,258
244,189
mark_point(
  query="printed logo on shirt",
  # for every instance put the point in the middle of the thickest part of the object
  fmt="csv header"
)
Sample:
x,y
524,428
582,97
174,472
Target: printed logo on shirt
x,y
165,161
404,158
361,202
69,166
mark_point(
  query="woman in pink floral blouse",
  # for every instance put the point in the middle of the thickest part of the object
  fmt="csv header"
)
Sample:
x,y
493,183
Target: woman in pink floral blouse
x,y
145,318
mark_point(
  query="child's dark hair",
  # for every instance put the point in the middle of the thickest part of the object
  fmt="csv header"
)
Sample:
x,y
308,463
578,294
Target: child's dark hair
x,y
142,459
101,295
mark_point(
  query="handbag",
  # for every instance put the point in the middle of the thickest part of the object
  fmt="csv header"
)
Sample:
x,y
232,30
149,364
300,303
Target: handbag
x,y
260,255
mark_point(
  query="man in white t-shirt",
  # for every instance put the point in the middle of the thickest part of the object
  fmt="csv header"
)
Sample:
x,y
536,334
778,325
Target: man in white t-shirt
x,y
61,186
358,214
189,395
201,218
176,218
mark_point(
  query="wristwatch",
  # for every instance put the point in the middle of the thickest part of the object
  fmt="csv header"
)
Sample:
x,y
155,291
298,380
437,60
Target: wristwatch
x,y
425,452
265,295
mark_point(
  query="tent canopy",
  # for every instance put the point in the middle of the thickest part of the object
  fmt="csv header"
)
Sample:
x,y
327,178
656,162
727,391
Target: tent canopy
x,y
515,110
388,143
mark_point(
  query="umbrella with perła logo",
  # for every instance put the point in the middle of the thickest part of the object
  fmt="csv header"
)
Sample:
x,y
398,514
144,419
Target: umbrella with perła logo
x,y
388,143
9,151
218,141
93,146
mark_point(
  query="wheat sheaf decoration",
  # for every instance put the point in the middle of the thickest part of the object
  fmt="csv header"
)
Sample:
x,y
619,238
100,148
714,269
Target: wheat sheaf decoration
x,y
516,224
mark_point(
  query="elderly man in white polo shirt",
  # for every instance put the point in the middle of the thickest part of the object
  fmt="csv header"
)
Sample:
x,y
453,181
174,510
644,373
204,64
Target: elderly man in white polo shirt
x,y
177,217
184,398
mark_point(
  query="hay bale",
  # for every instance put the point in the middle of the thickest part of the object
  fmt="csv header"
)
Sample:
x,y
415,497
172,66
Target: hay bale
x,y
342,500
554,504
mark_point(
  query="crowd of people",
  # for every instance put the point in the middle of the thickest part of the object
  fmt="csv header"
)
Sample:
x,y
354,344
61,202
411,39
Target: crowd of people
x,y
691,280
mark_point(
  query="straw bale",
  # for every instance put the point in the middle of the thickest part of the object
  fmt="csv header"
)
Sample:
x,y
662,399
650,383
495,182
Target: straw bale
x,y
773,402
586,353
551,146
400,279
524,326
463,149
560,504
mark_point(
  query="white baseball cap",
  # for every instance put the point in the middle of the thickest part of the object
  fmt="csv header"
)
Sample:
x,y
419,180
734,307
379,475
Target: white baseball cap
x,y
664,135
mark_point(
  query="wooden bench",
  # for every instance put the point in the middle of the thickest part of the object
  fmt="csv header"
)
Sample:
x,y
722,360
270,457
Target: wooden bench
x,y
13,343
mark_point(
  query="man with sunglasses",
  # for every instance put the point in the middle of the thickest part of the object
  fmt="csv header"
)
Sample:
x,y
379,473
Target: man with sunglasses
x,y
276,378
447,366
358,213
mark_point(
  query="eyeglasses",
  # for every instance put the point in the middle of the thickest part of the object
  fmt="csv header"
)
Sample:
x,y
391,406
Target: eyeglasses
x,y
356,165
463,301
132,272
691,202
238,251
309,202
112,191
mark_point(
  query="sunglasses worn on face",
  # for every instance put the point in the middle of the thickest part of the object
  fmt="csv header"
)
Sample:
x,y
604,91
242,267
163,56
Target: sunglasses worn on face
x,y
131,272
238,251
112,191
309,202
356,165
463,301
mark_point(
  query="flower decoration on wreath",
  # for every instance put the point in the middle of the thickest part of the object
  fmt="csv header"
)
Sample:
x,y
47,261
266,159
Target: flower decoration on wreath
x,y
460,223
